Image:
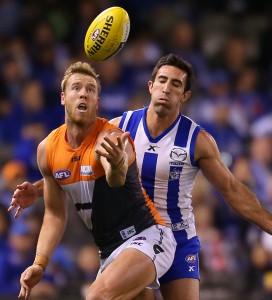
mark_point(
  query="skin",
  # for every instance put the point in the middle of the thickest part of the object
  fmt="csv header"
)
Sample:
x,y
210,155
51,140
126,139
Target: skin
x,y
167,95
117,281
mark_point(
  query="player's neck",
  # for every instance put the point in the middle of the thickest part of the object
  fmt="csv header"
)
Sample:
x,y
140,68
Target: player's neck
x,y
75,135
157,124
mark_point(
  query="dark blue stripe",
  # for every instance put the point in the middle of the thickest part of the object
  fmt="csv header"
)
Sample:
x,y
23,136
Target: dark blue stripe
x,y
133,122
183,132
123,119
181,140
149,172
172,194
192,146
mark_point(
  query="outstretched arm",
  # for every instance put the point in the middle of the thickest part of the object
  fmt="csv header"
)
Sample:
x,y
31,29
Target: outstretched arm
x,y
54,223
237,195
25,195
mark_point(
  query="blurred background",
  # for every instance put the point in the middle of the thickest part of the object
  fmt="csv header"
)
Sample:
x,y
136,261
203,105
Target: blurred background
x,y
228,42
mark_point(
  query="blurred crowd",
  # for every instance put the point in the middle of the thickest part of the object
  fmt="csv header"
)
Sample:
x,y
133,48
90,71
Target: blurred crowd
x,y
229,44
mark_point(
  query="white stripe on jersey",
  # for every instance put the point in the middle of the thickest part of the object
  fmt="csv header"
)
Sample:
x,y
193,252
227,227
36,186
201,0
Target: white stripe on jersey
x,y
82,190
166,168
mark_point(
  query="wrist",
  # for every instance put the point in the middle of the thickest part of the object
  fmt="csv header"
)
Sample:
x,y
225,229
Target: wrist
x,y
119,165
41,260
38,185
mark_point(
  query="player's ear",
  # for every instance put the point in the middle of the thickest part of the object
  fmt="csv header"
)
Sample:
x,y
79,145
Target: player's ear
x,y
97,103
62,97
150,86
185,96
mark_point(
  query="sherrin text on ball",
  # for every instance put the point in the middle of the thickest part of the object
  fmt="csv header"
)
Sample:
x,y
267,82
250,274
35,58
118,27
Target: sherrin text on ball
x,y
107,34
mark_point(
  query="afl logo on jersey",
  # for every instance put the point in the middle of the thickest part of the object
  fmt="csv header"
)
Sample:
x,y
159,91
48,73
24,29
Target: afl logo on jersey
x,y
62,174
178,154
191,258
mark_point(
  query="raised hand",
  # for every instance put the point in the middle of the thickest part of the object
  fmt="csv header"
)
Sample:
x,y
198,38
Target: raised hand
x,y
24,196
114,152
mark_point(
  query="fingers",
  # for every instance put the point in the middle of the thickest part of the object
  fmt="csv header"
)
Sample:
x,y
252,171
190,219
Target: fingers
x,y
111,142
108,147
18,212
14,201
13,204
112,145
25,289
114,148
124,136
120,143
12,207
24,292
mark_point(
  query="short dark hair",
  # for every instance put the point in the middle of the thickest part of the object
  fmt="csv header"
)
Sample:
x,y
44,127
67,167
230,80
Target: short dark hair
x,y
176,61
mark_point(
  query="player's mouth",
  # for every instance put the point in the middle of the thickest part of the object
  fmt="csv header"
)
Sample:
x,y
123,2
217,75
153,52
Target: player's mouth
x,y
163,100
82,107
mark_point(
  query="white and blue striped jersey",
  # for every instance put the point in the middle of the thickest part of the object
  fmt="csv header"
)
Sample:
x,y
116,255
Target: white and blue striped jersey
x,y
167,167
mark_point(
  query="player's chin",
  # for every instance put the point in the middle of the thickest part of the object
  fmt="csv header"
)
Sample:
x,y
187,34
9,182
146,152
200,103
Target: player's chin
x,y
82,121
161,109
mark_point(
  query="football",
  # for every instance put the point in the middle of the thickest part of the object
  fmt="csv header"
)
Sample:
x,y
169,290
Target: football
x,y
107,34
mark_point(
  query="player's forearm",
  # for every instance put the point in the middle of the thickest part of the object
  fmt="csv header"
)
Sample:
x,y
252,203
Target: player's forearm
x,y
244,202
116,175
51,233
266,221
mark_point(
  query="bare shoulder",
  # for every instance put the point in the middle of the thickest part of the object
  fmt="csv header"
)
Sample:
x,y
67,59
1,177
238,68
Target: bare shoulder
x,y
212,166
115,121
41,157
41,150
205,146
112,134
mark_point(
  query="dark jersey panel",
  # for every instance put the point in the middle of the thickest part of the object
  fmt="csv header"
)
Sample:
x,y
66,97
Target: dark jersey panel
x,y
118,211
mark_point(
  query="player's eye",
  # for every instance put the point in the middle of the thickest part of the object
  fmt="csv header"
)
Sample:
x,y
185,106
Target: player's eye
x,y
75,88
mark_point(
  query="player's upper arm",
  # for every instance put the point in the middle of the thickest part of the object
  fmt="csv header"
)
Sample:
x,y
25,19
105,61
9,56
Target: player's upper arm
x,y
52,189
41,158
209,159
115,121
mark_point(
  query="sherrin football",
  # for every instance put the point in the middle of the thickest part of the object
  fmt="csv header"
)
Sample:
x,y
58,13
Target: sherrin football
x,y
107,34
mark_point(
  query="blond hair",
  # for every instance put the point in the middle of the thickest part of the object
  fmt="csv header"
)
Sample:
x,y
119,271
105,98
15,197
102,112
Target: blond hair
x,y
82,68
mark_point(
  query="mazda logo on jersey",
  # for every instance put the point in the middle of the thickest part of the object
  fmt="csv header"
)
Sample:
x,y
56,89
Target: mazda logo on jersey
x,y
62,174
178,154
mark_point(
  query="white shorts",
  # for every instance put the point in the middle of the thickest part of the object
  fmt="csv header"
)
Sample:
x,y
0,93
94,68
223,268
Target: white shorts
x,y
157,242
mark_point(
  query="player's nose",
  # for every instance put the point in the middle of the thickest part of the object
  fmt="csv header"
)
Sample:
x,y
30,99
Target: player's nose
x,y
166,88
